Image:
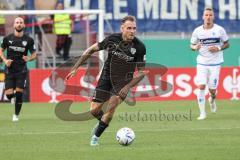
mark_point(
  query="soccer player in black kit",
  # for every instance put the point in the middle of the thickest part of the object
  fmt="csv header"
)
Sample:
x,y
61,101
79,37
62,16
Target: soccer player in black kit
x,y
125,54
17,46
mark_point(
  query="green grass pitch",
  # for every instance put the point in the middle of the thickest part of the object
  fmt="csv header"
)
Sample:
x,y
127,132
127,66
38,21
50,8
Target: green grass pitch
x,y
40,135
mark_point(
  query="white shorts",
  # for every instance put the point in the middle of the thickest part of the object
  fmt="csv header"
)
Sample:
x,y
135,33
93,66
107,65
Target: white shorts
x,y
208,75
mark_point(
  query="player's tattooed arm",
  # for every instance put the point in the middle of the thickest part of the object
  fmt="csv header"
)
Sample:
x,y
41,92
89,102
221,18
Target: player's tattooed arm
x,y
136,79
86,54
8,62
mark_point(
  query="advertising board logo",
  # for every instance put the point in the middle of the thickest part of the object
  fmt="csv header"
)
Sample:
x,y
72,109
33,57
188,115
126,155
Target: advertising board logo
x,y
232,84
53,87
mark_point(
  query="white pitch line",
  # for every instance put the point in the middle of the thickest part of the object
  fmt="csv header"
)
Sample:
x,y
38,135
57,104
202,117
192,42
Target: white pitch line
x,y
78,132
194,129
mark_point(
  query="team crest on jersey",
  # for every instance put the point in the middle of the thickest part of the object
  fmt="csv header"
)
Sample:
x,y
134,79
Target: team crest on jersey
x,y
24,43
133,51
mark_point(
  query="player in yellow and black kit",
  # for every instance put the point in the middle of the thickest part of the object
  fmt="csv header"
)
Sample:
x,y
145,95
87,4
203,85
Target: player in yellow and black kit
x,y
17,46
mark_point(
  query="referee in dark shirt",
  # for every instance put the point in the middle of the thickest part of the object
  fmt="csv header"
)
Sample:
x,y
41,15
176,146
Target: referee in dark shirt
x,y
17,46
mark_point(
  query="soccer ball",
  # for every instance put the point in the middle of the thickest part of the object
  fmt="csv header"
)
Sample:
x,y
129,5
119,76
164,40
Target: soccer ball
x,y
125,136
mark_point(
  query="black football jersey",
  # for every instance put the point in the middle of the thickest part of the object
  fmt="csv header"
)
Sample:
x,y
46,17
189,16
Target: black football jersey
x,y
122,58
17,47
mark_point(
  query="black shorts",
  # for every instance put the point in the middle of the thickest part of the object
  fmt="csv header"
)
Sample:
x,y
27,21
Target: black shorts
x,y
15,80
106,88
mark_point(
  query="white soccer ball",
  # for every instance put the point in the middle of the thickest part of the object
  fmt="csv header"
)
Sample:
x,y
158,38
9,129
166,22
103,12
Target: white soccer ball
x,y
125,136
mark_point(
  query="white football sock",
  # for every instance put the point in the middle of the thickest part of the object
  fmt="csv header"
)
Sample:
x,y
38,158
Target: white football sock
x,y
201,101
